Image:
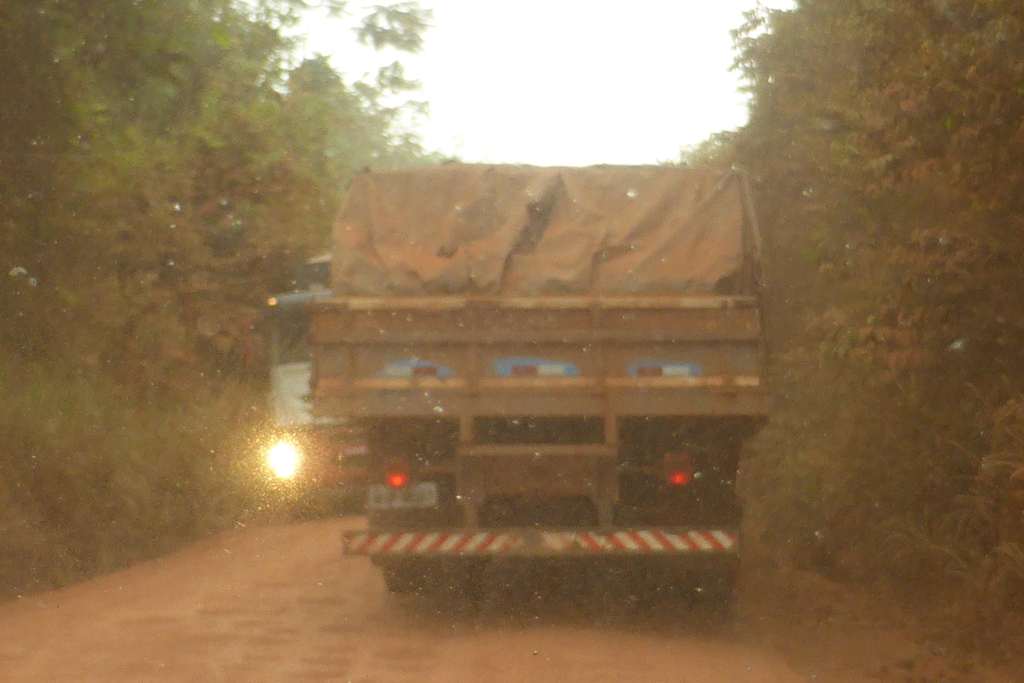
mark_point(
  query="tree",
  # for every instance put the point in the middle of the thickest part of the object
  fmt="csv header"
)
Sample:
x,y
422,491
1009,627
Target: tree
x,y
163,167
885,140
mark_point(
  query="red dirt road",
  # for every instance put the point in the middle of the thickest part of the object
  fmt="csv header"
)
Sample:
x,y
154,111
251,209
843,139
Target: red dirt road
x,y
280,603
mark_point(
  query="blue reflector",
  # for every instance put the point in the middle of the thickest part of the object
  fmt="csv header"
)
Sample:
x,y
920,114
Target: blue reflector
x,y
525,366
660,369
414,367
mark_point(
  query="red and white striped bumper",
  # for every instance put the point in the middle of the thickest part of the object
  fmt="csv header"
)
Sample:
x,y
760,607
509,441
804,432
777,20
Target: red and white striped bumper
x,y
539,543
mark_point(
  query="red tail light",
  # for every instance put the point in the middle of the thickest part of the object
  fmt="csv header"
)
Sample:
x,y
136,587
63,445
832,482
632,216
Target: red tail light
x,y
396,472
678,469
397,480
679,478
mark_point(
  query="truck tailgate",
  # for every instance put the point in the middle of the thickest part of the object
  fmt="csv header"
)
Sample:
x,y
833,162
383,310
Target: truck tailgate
x,y
452,356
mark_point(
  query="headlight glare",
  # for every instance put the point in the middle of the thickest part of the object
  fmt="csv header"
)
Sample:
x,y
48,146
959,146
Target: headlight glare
x,y
283,458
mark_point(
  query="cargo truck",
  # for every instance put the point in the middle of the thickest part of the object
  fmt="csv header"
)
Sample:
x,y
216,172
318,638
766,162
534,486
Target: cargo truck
x,y
550,364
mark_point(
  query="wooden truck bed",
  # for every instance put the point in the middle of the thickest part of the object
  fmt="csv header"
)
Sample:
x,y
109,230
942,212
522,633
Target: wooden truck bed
x,y
468,359
456,356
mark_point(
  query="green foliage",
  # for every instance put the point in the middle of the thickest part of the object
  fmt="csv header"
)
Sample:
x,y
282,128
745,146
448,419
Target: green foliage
x,y
164,166
977,544
401,26
716,151
92,479
885,141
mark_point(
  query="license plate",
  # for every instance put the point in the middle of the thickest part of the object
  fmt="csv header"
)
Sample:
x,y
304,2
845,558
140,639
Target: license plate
x,y
422,495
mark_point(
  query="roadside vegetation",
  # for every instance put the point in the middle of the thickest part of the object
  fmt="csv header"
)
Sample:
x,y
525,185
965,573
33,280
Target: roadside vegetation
x,y
163,167
886,144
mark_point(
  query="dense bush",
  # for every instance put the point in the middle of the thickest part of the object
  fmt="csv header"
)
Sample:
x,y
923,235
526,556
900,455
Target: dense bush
x,y
91,478
885,142
163,168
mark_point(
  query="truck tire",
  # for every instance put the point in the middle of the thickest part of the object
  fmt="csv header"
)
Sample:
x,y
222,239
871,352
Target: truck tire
x,y
716,598
462,579
399,581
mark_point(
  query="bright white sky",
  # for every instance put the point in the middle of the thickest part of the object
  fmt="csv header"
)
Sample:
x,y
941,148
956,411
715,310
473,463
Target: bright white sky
x,y
565,82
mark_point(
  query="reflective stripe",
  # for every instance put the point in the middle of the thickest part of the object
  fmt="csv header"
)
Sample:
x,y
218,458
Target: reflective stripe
x,y
649,539
725,539
627,541
404,541
701,541
540,543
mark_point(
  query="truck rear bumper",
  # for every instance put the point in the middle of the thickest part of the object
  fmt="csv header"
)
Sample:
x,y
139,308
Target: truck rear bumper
x,y
541,543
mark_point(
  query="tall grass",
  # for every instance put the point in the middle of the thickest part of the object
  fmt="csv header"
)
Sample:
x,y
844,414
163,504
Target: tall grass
x,y
92,478
862,481
976,544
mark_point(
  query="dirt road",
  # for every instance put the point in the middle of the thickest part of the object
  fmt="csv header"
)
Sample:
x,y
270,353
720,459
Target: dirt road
x,y
279,603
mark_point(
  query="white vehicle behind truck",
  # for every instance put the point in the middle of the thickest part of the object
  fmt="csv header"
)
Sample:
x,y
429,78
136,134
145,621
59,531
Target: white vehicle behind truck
x,y
314,461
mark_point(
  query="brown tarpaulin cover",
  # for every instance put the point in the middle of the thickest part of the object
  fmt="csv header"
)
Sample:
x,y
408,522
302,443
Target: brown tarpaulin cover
x,y
525,231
